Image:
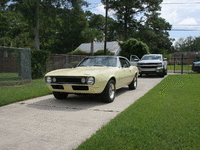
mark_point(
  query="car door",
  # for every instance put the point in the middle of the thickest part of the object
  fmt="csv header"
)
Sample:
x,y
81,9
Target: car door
x,y
126,71
133,60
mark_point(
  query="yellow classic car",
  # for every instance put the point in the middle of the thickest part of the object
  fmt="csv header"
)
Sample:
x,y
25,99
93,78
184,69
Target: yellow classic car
x,y
93,75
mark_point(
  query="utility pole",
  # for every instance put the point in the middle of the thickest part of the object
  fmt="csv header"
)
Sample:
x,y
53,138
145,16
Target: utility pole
x,y
106,27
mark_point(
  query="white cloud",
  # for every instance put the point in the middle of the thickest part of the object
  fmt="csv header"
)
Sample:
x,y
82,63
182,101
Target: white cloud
x,y
188,21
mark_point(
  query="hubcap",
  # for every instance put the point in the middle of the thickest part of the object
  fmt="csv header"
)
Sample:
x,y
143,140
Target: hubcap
x,y
112,91
135,82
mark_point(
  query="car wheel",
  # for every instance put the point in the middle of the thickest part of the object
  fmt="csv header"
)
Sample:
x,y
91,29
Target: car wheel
x,y
108,94
140,75
133,84
60,95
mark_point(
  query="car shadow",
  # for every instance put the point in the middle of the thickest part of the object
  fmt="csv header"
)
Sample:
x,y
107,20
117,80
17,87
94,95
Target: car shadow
x,y
150,76
73,102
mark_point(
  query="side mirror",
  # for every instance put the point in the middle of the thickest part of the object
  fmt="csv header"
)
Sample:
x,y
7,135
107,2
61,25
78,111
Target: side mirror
x,y
136,59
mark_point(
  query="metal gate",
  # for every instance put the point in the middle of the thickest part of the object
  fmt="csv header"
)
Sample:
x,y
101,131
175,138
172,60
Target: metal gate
x,y
181,62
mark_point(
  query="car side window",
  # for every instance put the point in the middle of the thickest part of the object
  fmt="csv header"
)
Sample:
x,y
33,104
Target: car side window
x,y
124,63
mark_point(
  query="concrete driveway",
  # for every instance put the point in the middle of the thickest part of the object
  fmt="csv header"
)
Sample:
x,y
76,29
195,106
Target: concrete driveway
x,y
50,124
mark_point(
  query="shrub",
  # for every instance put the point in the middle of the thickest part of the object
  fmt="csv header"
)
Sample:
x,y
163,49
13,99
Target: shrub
x,y
101,52
38,62
133,47
77,52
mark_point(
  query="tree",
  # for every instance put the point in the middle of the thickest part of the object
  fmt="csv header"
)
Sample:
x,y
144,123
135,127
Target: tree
x,y
127,12
133,47
154,33
31,11
94,32
190,44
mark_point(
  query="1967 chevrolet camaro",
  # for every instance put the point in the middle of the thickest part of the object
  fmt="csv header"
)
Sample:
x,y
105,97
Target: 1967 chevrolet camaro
x,y
93,75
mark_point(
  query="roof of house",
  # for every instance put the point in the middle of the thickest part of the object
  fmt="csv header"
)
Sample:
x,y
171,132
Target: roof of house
x,y
113,47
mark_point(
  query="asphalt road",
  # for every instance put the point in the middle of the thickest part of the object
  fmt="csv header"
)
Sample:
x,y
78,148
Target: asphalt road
x,y
49,124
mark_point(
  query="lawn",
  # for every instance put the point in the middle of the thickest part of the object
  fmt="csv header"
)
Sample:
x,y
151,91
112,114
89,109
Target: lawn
x,y
9,77
11,94
167,117
179,67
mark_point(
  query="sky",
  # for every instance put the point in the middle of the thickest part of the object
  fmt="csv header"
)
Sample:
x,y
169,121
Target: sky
x,y
183,15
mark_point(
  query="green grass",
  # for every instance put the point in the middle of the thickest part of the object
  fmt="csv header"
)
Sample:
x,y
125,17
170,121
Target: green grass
x,y
9,77
178,67
11,94
167,117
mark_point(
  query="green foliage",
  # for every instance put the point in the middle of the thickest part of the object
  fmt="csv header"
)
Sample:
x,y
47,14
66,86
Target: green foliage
x,y
77,52
189,44
38,62
101,52
133,47
154,33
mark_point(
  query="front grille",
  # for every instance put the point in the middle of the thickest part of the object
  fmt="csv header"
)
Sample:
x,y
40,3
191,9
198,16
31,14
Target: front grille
x,y
80,88
149,65
68,80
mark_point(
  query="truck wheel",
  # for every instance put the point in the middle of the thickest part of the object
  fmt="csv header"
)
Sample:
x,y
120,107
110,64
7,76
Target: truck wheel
x,y
108,95
60,95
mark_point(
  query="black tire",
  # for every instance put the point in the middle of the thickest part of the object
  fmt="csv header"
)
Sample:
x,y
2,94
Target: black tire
x,y
163,73
60,95
108,95
140,75
133,84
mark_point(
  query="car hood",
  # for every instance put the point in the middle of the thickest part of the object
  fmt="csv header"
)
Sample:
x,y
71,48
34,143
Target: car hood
x,y
79,71
197,63
150,61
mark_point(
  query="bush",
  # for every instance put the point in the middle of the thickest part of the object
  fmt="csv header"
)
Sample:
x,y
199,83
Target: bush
x,y
133,47
38,63
101,52
77,52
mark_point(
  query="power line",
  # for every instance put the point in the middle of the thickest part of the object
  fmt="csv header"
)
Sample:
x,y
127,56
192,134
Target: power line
x,y
185,30
181,3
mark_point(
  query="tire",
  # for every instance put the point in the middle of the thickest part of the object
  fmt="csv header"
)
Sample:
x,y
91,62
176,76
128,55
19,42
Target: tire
x,y
108,95
140,75
60,95
163,73
133,84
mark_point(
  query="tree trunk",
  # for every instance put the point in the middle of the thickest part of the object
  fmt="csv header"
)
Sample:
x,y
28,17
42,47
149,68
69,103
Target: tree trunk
x,y
36,41
92,48
125,25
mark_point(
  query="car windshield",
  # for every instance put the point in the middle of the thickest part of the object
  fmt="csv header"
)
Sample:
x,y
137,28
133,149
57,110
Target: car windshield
x,y
151,57
99,61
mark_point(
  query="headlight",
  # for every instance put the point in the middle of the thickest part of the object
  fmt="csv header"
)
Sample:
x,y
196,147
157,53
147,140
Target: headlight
x,y
83,80
160,65
48,80
54,79
90,80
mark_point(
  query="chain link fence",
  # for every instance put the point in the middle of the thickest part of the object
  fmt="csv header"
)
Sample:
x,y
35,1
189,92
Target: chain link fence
x,y
59,61
15,65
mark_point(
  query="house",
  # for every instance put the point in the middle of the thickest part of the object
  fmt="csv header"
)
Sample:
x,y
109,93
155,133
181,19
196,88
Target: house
x,y
113,47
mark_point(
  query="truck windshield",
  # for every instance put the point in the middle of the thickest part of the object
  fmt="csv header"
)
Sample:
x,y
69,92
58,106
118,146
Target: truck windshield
x,y
149,57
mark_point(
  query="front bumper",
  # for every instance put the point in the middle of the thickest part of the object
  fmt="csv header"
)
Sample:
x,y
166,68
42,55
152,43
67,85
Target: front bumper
x,y
151,70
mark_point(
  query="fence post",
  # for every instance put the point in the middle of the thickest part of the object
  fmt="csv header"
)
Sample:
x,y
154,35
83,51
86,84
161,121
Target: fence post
x,y
182,64
174,64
